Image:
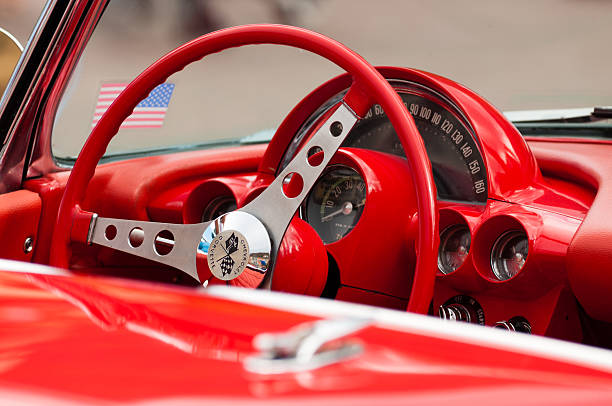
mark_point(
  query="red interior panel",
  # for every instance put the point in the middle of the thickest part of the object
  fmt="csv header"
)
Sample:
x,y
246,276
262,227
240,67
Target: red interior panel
x,y
19,215
589,256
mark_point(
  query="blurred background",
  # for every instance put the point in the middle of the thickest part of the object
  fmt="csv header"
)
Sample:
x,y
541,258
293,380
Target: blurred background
x,y
519,55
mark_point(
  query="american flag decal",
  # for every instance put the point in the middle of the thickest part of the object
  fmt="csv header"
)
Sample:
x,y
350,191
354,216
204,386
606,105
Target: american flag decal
x,y
149,113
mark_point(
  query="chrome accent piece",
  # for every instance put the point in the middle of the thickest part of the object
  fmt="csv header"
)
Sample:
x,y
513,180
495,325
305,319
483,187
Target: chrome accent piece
x,y
28,245
547,115
246,229
272,207
12,38
7,265
92,226
424,326
24,93
306,347
455,312
26,55
504,325
351,110
27,108
518,324
182,256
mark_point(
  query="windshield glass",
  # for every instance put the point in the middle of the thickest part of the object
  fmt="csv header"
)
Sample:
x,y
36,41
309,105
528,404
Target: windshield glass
x,y
523,55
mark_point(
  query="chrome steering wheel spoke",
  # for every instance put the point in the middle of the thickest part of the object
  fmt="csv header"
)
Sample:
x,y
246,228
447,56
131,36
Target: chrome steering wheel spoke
x,y
175,245
273,207
248,238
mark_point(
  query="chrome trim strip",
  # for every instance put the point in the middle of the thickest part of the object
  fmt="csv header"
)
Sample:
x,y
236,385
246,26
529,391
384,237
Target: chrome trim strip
x,y
28,106
8,265
12,38
20,108
92,227
43,161
303,348
427,326
25,56
547,114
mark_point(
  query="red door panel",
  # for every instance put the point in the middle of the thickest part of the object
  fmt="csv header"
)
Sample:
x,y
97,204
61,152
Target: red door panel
x,y
19,215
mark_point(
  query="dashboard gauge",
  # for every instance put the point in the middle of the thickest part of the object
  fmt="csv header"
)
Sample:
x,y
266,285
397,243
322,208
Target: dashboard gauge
x,y
335,203
453,149
454,248
217,207
509,254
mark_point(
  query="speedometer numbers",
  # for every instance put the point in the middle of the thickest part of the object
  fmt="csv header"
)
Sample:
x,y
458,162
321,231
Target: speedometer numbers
x,y
336,203
458,166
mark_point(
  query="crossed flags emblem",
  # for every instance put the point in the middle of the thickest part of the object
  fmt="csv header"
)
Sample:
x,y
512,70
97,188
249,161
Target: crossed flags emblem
x,y
227,263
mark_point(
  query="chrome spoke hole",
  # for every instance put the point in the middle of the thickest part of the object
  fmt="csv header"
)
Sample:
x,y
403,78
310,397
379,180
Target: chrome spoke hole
x,y
110,232
335,128
136,237
164,242
293,185
315,156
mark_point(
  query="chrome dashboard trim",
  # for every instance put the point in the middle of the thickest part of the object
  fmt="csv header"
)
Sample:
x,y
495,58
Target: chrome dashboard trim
x,y
519,116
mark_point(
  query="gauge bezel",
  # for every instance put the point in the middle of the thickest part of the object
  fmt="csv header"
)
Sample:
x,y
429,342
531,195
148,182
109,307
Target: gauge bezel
x,y
498,247
444,237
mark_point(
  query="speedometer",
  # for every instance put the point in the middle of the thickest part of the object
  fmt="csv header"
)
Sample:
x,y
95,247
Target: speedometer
x,y
458,167
454,151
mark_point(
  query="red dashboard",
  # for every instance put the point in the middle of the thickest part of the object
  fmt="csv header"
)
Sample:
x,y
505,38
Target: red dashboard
x,y
547,294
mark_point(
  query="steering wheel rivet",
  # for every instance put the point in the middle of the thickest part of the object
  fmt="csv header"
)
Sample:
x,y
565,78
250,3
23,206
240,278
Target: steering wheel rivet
x,y
335,128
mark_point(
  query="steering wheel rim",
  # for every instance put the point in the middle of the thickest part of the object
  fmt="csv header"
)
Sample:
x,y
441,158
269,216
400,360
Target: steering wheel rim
x,y
73,224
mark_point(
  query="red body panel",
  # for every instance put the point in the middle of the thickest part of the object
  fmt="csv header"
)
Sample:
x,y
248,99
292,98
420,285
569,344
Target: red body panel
x,y
84,339
94,339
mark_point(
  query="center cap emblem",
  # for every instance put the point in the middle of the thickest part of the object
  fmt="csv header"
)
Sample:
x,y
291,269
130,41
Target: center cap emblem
x,y
228,255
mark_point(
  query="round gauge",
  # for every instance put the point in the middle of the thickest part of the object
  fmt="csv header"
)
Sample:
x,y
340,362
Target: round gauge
x,y
454,248
335,203
509,254
217,207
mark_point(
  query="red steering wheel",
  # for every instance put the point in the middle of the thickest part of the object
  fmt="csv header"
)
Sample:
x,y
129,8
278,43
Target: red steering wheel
x,y
244,243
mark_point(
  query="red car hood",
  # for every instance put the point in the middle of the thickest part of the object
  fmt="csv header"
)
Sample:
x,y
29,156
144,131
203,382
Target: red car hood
x,y
75,339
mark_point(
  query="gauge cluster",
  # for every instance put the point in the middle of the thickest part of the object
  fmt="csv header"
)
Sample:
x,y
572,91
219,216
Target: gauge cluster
x,y
501,246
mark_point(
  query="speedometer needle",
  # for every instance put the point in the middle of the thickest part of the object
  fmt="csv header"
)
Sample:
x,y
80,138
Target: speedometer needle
x,y
346,209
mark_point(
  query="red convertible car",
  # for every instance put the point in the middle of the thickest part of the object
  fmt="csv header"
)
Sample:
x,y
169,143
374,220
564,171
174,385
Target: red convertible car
x,y
394,239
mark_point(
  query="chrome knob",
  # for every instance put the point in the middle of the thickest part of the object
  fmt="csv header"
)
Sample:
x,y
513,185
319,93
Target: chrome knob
x,y
455,312
462,308
517,323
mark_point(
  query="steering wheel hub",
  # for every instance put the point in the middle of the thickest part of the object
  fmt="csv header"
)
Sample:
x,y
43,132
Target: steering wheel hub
x,y
235,242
